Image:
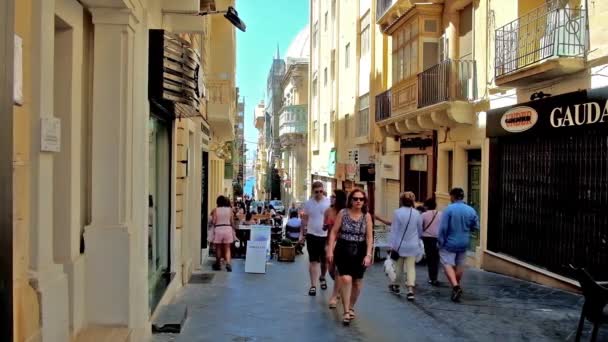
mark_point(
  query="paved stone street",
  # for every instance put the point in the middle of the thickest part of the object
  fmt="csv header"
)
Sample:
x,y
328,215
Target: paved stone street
x,y
275,307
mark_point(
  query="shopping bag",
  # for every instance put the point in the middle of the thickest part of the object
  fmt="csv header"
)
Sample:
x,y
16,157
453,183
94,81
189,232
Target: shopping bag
x,y
389,269
420,254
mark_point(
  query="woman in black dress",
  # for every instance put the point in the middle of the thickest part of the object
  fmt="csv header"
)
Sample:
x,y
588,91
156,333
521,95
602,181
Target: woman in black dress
x,y
353,249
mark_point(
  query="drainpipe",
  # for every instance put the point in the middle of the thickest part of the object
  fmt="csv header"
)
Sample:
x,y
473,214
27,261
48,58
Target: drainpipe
x,y
7,13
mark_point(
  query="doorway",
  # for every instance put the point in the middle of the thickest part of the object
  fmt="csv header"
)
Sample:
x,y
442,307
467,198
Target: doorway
x,y
474,189
415,175
159,192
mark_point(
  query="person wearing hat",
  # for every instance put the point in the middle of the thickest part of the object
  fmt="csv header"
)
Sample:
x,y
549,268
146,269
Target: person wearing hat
x,y
457,222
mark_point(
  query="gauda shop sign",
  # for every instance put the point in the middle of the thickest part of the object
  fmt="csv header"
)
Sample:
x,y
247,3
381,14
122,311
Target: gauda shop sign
x,y
579,114
570,113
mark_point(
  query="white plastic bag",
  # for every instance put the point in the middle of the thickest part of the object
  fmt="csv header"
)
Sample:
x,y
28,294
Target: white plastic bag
x,y
389,269
420,251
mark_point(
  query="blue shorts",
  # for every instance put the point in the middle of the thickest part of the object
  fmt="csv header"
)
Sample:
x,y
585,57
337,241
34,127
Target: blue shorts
x,y
452,258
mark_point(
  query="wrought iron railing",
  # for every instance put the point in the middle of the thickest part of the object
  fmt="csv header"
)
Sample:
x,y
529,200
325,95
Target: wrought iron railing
x,y
450,80
382,6
383,105
545,32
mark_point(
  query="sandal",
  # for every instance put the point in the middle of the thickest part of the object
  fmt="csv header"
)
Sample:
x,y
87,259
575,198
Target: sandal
x,y
346,319
333,305
312,291
323,283
351,313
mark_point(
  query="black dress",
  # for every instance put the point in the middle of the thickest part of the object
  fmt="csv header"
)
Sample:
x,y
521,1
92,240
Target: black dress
x,y
351,247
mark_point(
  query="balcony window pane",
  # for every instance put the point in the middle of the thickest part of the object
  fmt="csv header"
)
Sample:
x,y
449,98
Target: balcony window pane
x,y
414,57
406,61
430,54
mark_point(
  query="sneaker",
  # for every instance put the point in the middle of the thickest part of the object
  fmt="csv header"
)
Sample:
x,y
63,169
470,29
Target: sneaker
x,y
216,267
228,268
394,289
434,282
456,294
410,296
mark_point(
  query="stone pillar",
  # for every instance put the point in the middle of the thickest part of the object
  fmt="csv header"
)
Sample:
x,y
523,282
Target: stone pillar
x,y
116,267
47,277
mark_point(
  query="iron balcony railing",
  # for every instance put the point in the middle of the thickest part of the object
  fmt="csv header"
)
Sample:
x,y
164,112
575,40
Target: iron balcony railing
x,y
382,6
450,80
383,105
545,32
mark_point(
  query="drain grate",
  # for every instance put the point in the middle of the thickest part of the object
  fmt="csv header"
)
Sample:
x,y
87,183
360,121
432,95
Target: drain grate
x,y
201,278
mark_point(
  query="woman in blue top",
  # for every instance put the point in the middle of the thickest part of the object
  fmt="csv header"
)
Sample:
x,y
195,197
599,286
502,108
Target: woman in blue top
x,y
406,229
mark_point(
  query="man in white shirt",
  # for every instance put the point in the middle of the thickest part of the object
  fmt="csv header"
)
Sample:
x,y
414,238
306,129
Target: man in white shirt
x,y
316,236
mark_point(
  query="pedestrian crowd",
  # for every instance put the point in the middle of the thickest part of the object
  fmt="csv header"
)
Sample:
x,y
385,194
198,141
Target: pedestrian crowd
x,y
338,235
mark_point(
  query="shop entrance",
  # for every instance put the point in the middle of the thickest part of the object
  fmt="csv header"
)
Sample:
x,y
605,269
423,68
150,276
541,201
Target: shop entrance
x,y
548,200
474,189
159,192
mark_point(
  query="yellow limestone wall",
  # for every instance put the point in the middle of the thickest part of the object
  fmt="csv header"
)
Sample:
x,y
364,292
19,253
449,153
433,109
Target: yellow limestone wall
x,y
25,304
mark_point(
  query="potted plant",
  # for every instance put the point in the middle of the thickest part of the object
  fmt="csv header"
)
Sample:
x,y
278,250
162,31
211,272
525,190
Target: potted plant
x,y
287,250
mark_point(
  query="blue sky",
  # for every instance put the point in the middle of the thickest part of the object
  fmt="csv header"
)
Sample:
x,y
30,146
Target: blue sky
x,y
269,22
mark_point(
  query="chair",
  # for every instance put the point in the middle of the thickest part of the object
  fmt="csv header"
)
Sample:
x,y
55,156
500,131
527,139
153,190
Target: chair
x,y
596,298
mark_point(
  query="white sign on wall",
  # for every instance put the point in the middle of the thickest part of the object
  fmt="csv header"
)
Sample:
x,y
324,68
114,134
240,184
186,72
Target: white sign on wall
x,y
50,135
18,71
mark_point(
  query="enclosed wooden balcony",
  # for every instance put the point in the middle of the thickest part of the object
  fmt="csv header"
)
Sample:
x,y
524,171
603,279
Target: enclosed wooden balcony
x,y
441,96
293,124
221,108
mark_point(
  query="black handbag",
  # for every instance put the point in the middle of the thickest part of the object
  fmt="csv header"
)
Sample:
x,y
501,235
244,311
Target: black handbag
x,y
395,254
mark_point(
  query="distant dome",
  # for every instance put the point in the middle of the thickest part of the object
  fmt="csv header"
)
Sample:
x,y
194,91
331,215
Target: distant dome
x,y
299,48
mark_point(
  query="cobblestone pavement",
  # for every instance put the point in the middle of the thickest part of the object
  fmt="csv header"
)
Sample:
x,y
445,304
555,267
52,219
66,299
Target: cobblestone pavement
x,y
276,307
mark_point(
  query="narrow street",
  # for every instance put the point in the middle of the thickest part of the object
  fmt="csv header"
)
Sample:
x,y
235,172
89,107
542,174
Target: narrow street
x,y
274,307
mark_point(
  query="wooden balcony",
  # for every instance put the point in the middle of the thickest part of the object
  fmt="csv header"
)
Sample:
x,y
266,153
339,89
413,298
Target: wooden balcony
x,y
221,108
440,96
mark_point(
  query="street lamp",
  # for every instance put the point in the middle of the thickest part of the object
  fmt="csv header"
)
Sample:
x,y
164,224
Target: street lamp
x,y
232,15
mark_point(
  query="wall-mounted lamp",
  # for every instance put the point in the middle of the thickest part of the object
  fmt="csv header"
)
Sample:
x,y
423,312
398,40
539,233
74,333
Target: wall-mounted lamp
x,y
232,15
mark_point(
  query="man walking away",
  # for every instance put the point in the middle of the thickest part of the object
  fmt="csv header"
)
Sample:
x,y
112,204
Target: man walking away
x,y
457,222
316,236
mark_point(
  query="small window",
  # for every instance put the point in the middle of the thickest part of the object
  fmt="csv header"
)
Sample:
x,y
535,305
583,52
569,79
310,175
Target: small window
x,y
314,87
315,31
333,65
325,77
347,56
332,125
326,14
346,125
324,132
430,25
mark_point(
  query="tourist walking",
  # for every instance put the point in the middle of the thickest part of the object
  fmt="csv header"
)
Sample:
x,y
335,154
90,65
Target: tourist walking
x,y
338,202
431,219
352,237
404,239
316,236
223,232
457,222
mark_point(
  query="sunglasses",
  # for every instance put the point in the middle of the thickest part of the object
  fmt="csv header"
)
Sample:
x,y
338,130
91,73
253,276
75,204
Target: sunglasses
x,y
358,199
319,191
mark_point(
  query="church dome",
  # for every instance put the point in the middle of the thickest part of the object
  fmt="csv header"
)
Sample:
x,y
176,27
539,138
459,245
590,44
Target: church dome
x,y
299,49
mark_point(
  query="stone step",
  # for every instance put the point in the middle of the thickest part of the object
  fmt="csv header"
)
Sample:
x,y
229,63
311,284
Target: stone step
x,y
103,333
170,319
